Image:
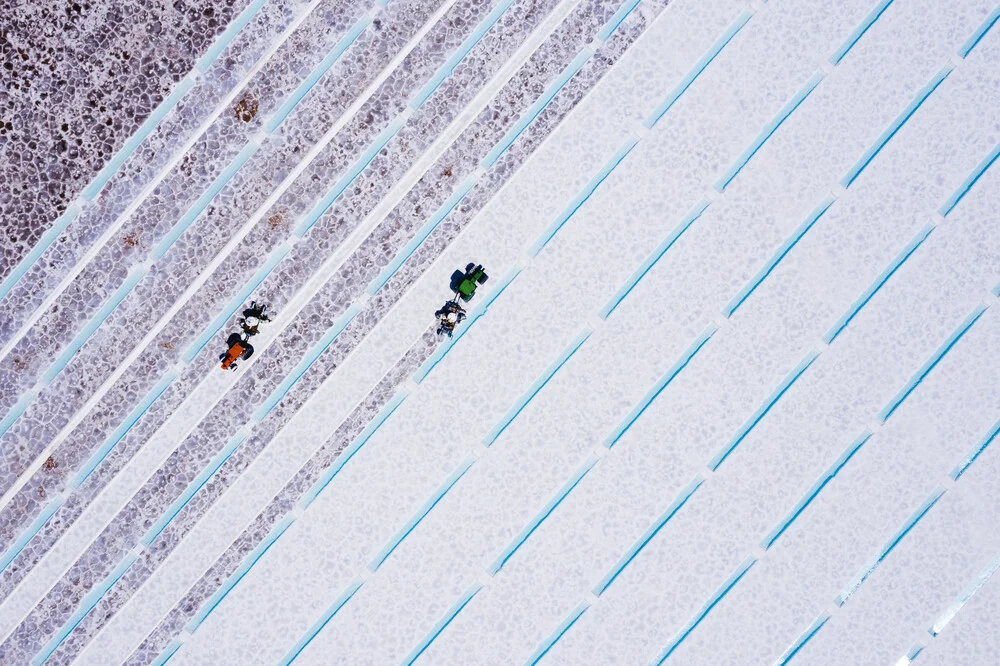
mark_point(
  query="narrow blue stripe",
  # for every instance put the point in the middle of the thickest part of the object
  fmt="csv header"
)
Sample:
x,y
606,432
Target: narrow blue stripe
x,y
81,339
980,32
307,361
815,490
803,639
755,418
961,468
112,441
698,68
654,257
446,346
931,362
776,258
277,254
536,108
914,653
43,244
965,596
317,73
240,572
707,608
865,572
227,36
964,188
314,630
349,452
421,513
345,181
29,533
15,412
87,604
432,223
545,512
213,466
661,384
880,280
895,126
168,653
647,536
470,42
767,132
583,196
859,32
442,624
617,19
201,204
164,107
535,387
553,638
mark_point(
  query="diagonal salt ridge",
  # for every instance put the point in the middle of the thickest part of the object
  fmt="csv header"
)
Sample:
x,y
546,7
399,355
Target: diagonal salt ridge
x,y
544,513
432,223
119,433
470,42
723,590
940,353
442,624
978,35
762,411
869,568
318,72
895,126
168,653
563,627
240,572
660,385
802,640
537,386
583,196
87,604
307,361
43,244
698,68
768,131
776,258
859,32
348,453
966,595
328,615
421,513
30,532
969,182
654,257
536,108
816,489
977,451
878,283
682,497
192,488
227,36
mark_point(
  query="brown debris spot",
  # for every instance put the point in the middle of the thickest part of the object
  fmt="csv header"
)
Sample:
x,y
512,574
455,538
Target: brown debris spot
x,y
446,172
51,463
167,345
247,107
41,492
277,221
19,364
131,240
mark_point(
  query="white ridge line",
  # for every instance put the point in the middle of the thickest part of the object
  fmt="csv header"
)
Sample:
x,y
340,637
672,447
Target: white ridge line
x,y
410,178
97,245
223,254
